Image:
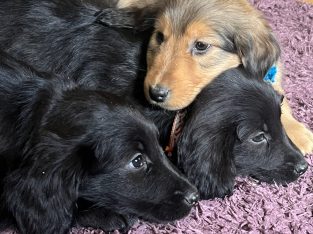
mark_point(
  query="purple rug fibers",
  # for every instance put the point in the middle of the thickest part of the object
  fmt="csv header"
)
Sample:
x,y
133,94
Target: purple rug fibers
x,y
264,208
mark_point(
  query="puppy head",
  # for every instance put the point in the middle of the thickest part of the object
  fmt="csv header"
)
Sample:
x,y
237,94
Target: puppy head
x,y
89,145
234,129
263,149
195,41
126,170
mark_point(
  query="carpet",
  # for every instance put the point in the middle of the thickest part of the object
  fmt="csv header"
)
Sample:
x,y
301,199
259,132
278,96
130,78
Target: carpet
x,y
262,208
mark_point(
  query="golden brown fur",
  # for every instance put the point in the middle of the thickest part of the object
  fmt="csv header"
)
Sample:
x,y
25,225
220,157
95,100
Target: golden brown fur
x,y
174,67
297,132
236,32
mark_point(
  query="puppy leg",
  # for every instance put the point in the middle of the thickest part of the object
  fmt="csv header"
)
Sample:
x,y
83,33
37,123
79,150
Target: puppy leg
x,y
296,131
105,220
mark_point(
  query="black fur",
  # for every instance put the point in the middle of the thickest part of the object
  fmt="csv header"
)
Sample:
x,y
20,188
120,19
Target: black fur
x,y
66,157
71,38
81,46
219,124
217,142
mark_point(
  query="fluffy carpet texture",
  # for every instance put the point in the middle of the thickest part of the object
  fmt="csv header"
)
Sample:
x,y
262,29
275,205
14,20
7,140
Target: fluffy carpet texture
x,y
265,208
262,208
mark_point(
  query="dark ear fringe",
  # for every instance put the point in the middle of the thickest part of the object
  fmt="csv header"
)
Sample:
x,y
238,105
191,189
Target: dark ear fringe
x,y
41,195
258,52
207,161
137,19
116,18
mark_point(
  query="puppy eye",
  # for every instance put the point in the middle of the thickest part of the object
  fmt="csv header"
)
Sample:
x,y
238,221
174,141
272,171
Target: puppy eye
x,y
138,161
159,37
259,138
201,47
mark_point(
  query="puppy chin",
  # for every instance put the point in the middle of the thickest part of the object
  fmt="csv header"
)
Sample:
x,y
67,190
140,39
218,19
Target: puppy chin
x,y
168,105
275,178
168,215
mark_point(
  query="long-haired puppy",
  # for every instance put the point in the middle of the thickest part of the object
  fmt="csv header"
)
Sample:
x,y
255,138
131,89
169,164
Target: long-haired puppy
x,y
233,128
196,40
74,156
88,44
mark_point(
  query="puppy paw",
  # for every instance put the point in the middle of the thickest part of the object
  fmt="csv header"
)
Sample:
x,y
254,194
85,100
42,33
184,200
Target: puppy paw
x,y
106,220
216,190
300,136
129,221
305,144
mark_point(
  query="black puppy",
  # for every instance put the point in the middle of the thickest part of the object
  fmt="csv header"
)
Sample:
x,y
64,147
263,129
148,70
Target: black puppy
x,y
233,128
75,156
87,44
77,39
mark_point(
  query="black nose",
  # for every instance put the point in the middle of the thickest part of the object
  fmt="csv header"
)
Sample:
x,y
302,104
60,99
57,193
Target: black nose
x,y
192,198
301,167
158,93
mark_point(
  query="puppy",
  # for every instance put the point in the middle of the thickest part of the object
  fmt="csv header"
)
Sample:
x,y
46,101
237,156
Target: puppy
x,y
74,156
195,41
91,46
80,40
248,141
233,129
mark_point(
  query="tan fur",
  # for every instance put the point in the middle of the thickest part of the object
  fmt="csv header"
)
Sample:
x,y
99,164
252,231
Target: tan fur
x,y
301,136
173,66
308,1
135,3
185,22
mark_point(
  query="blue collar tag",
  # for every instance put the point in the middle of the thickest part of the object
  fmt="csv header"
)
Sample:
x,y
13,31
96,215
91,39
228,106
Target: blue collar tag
x,y
270,75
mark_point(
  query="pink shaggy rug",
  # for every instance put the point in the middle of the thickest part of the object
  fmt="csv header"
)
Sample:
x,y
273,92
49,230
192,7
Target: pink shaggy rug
x,y
264,208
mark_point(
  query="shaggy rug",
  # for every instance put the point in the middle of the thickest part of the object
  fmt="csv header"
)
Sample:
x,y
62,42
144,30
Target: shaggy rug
x,y
264,208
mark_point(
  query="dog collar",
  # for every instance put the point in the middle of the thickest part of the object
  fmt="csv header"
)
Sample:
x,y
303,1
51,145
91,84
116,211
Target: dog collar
x,y
177,127
270,76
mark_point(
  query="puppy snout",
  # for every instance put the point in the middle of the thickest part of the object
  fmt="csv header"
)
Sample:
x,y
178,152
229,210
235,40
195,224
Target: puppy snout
x,y
190,197
301,167
158,93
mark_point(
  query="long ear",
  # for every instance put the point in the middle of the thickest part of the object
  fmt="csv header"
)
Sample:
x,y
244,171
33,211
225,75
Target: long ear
x,y
258,49
137,19
206,159
41,194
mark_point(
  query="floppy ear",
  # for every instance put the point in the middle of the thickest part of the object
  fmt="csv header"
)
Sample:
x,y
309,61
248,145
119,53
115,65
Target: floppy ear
x,y
206,159
116,18
137,19
41,194
258,50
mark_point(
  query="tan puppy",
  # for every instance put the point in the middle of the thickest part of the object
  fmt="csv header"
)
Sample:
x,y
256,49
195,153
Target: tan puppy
x,y
196,40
